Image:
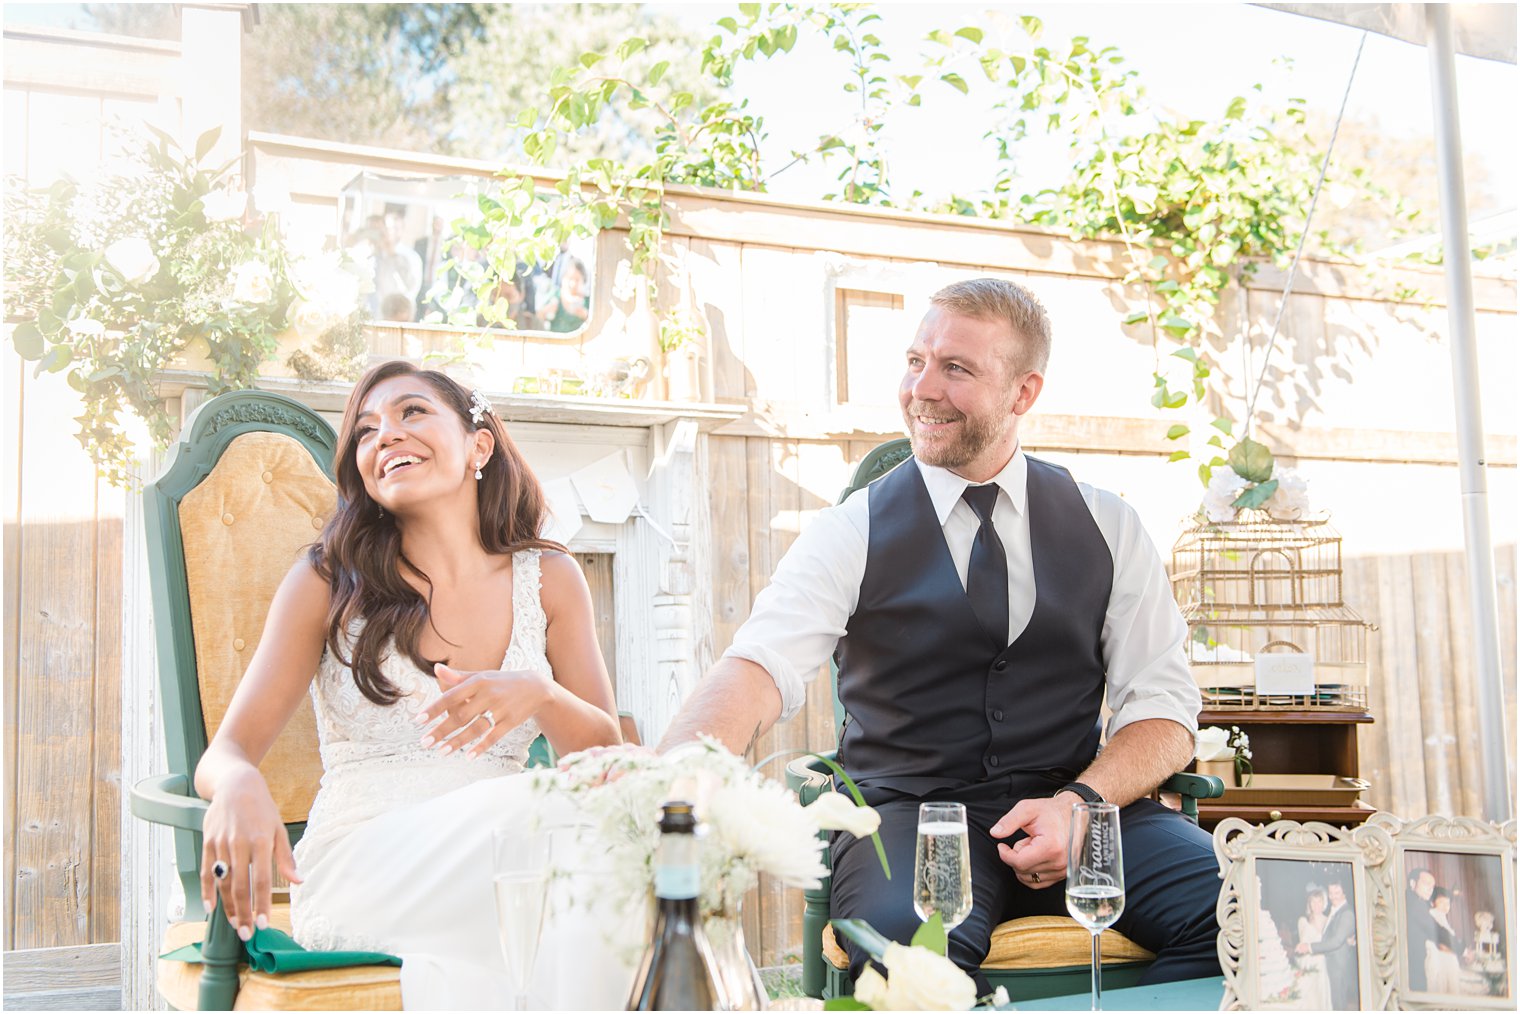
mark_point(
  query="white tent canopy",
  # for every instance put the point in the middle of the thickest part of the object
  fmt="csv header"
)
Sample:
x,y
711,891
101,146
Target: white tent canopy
x,y
1486,31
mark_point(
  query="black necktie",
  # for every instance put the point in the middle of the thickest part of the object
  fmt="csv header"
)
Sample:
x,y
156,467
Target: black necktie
x,y
987,574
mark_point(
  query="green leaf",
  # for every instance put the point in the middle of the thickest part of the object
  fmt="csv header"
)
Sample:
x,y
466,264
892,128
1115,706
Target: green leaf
x,y
206,142
974,35
1177,432
28,340
58,358
1176,325
1190,354
527,118
1204,473
955,81
1252,461
1138,317
658,71
843,1003
860,931
1178,456
751,11
1255,496
932,935
628,47
1224,426
589,60
1236,108
730,24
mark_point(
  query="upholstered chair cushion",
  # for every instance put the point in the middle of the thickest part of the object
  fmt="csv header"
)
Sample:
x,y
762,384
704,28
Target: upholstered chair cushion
x,y
364,987
243,527
1035,942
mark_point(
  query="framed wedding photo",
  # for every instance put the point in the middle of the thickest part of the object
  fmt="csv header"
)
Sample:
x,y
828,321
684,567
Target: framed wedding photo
x,y
1297,914
1454,886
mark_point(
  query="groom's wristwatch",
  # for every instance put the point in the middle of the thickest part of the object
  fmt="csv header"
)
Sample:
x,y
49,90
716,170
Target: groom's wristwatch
x,y
1086,792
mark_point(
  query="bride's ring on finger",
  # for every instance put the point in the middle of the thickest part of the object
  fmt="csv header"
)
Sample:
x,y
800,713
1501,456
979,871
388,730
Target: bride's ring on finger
x,y
1034,878
219,870
490,718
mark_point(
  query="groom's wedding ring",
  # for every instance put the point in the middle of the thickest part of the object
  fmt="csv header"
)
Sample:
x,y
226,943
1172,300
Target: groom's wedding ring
x,y
490,718
219,869
1034,878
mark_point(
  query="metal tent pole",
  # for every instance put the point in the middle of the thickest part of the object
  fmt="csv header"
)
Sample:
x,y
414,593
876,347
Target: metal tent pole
x,y
1464,369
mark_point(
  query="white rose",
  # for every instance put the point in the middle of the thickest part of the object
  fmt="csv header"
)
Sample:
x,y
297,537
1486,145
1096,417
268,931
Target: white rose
x,y
871,988
272,196
224,205
87,327
834,811
308,319
1225,487
253,283
1212,743
1290,501
133,259
919,979
763,825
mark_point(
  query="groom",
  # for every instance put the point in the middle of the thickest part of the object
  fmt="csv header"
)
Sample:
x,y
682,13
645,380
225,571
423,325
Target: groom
x,y
1338,945
981,605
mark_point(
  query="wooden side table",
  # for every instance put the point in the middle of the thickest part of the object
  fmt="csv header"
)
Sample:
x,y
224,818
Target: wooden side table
x,y
1309,741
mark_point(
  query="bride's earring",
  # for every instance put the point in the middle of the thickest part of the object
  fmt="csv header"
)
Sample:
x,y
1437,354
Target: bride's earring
x,y
478,476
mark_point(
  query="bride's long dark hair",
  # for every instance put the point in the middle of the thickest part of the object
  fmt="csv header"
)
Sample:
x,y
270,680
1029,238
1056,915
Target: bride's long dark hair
x,y
360,554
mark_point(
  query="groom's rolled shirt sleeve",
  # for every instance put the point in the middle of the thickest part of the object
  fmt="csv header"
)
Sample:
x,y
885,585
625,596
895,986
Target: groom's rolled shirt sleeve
x,y
1143,631
800,616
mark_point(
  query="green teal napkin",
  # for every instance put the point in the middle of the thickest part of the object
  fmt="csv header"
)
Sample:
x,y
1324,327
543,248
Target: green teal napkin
x,y
273,950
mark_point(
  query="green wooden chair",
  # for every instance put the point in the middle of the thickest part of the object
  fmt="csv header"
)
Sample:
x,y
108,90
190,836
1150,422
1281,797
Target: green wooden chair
x,y
246,488
1033,957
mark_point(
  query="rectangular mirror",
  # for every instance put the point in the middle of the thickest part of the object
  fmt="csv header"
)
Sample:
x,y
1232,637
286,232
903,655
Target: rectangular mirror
x,y
407,230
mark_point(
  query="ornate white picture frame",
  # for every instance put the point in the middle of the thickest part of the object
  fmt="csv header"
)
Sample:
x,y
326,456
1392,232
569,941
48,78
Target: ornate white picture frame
x,y
1305,915
1453,881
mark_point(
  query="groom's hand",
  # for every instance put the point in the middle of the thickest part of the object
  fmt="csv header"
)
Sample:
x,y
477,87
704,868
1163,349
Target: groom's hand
x,y
1038,860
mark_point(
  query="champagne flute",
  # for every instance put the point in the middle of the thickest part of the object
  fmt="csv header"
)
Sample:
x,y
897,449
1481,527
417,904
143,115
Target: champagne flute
x,y
1095,877
942,865
520,874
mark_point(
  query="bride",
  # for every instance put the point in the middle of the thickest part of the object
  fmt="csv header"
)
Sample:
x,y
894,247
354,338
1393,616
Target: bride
x,y
1314,977
437,634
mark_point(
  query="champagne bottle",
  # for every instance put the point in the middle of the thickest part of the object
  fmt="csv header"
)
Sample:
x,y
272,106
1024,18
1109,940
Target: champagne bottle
x,y
678,971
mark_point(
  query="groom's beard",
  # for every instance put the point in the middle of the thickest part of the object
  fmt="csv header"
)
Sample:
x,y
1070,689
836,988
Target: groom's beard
x,y
969,438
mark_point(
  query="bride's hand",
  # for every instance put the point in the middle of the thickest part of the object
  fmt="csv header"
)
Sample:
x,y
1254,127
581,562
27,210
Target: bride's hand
x,y
510,698
242,830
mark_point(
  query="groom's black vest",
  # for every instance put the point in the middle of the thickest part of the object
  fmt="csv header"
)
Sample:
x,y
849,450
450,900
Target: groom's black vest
x,y
931,702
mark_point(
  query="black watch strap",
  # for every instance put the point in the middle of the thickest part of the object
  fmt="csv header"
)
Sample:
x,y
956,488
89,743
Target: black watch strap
x,y
1087,792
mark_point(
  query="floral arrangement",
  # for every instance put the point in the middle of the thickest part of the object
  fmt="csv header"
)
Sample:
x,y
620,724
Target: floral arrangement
x,y
112,279
919,975
1252,482
752,824
1214,744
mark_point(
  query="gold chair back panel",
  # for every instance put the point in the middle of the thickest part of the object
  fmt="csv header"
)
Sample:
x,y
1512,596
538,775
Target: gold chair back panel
x,y
243,527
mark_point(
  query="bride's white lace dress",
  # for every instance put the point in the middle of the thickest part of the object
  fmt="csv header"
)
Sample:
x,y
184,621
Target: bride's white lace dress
x,y
397,851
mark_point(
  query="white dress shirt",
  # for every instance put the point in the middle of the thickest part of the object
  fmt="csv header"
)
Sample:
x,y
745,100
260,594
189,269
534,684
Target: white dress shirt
x,y
796,620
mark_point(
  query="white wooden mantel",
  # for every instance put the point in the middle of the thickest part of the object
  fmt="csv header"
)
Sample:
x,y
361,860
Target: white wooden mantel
x,y
662,605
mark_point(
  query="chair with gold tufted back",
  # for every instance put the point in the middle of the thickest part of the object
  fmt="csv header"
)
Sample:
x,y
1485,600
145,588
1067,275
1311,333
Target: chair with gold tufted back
x,y
247,487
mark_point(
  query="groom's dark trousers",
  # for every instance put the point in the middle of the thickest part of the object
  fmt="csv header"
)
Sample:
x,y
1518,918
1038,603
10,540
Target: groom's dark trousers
x,y
1171,883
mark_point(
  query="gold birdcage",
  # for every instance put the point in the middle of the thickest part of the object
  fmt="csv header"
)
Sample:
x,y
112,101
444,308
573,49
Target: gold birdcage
x,y
1257,585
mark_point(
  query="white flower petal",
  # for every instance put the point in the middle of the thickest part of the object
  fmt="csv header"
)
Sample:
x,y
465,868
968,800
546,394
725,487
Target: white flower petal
x,y
834,811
